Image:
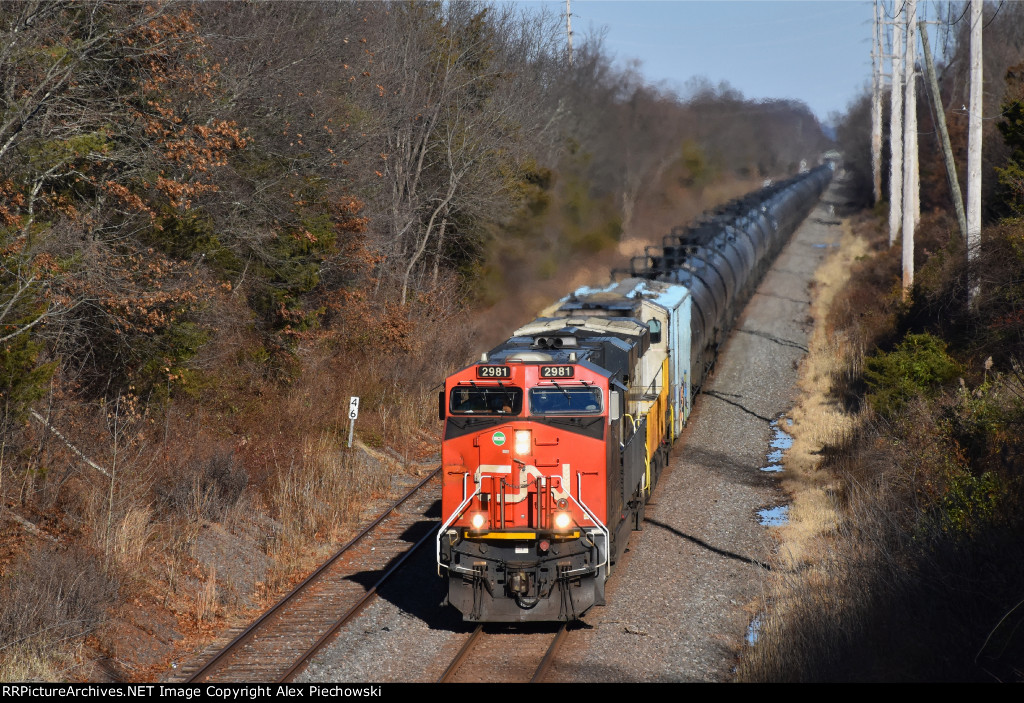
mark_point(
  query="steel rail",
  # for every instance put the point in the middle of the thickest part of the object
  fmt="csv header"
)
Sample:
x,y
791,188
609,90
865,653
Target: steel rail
x,y
461,655
473,640
549,657
354,610
247,634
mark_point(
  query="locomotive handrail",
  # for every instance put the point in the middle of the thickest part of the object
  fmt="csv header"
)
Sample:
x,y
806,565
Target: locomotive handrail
x,y
600,525
579,478
652,388
453,518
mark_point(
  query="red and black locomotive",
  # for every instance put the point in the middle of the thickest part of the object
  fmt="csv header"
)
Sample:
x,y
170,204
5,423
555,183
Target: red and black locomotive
x,y
535,517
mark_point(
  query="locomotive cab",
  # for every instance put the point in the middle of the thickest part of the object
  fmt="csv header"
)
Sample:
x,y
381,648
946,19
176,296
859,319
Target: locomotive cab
x,y
523,536
542,468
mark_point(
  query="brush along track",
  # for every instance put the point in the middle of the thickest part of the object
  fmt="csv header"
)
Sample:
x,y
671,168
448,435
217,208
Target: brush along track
x,y
281,640
506,655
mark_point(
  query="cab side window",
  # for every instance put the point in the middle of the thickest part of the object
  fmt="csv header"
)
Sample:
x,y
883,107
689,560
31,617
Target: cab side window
x,y
655,327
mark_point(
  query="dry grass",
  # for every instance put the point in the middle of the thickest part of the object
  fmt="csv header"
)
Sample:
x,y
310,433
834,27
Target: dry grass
x,y
131,536
815,580
28,664
51,599
802,588
208,602
818,419
317,499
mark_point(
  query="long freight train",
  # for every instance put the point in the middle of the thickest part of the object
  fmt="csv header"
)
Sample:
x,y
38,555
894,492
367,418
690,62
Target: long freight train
x,y
555,439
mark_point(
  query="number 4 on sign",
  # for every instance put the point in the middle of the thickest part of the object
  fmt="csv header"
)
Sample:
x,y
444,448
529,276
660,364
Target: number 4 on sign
x,y
353,413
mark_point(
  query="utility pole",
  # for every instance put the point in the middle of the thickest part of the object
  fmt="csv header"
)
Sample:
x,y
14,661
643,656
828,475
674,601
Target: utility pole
x,y
876,105
568,29
910,191
947,149
896,136
974,158
917,149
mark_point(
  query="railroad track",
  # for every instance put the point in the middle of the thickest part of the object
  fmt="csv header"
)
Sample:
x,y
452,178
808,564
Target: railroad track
x,y
278,644
506,656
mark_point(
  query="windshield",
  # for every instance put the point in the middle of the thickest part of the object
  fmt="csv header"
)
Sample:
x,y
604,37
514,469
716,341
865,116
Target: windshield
x,y
565,400
486,400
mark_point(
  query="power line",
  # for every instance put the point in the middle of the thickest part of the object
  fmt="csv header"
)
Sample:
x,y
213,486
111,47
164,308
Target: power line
x,y
894,16
966,8
994,14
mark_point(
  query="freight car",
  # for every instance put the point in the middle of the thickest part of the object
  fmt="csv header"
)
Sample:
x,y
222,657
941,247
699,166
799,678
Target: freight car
x,y
555,439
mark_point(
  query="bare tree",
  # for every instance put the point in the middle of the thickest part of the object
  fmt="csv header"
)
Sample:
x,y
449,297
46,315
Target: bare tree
x,y
458,109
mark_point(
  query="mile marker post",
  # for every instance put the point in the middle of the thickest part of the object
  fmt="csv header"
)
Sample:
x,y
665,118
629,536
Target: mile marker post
x,y
353,413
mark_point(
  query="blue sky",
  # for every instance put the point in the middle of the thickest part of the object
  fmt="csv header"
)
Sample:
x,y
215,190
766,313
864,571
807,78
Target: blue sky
x,y
815,51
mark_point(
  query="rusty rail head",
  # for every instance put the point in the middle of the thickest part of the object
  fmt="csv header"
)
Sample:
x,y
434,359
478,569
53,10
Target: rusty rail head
x,y
549,657
354,610
248,632
461,655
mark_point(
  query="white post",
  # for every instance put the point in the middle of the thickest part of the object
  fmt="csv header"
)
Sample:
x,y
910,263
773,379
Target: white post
x,y
896,135
916,152
353,413
876,105
568,29
974,156
909,150
947,150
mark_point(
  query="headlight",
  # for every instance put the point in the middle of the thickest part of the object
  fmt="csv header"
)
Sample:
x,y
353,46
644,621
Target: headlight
x,y
477,521
563,521
523,442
